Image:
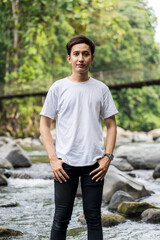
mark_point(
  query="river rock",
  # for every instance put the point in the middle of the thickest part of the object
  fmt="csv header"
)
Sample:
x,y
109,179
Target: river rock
x,y
156,173
117,180
5,140
21,175
122,164
141,137
15,155
111,219
158,140
133,208
123,135
108,219
4,163
6,232
142,156
6,172
151,215
3,180
9,204
36,171
117,198
28,142
155,133
82,219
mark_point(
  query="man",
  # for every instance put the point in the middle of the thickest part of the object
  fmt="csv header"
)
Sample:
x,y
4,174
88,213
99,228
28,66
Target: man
x,y
79,102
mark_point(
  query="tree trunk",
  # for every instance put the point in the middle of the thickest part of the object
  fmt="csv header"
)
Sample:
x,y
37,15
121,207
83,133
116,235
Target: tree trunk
x,y
15,33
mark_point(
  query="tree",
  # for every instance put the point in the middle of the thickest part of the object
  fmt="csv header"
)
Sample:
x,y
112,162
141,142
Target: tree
x,y
33,35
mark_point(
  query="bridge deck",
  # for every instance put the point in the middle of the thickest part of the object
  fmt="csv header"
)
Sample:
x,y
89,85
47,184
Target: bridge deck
x,y
117,79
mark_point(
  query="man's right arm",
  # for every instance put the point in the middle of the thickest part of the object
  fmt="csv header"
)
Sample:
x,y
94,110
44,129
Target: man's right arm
x,y
56,164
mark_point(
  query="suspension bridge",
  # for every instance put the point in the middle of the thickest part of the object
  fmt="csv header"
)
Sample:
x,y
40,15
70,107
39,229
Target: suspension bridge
x,y
116,79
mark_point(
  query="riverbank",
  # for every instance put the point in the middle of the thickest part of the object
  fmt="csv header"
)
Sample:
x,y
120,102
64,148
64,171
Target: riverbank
x,y
32,189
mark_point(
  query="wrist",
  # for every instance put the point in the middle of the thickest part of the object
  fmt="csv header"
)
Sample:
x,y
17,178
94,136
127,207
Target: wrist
x,y
109,155
53,158
106,159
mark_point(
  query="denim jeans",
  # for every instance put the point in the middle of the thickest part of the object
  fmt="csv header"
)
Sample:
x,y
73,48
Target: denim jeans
x,y
64,199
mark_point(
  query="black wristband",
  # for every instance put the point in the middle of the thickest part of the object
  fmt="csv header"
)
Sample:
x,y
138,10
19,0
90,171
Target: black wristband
x,y
109,155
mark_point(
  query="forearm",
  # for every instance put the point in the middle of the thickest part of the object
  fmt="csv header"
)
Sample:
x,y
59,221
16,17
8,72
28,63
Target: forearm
x,y
111,135
104,162
47,140
110,139
56,164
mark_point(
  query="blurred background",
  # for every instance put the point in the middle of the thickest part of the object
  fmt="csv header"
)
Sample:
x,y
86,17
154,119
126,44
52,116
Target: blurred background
x,y
33,35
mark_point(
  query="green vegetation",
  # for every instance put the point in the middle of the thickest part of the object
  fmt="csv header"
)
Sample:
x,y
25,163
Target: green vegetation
x,y
33,35
139,109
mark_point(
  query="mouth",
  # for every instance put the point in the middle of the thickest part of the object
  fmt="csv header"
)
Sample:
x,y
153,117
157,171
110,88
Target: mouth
x,y
80,65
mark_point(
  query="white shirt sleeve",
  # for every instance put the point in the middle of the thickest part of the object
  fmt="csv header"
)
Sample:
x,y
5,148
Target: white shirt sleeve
x,y
50,105
108,109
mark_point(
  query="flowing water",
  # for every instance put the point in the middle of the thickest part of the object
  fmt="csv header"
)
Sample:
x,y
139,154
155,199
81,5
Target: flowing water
x,y
34,213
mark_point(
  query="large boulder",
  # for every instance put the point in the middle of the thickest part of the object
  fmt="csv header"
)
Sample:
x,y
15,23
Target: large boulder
x,y
15,155
122,164
156,173
117,180
6,232
141,137
155,133
117,198
141,156
151,215
127,136
133,208
123,135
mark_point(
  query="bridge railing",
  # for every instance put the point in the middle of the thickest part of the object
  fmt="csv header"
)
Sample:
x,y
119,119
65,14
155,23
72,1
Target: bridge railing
x,y
114,79
126,76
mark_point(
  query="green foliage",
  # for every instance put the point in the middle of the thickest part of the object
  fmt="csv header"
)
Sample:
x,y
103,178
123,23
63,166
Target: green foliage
x,y
139,109
20,117
122,30
124,35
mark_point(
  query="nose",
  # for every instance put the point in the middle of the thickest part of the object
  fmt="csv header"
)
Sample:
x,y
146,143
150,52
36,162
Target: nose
x,y
80,58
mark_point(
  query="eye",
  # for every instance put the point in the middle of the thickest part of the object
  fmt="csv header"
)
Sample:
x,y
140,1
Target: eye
x,y
86,54
75,53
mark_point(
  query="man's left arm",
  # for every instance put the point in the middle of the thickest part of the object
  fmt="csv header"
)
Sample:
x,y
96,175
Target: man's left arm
x,y
110,143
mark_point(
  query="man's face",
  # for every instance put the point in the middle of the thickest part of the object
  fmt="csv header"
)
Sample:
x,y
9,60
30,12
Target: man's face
x,y
80,58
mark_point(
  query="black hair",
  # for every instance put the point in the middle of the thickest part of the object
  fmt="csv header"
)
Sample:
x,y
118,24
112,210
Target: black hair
x,y
80,39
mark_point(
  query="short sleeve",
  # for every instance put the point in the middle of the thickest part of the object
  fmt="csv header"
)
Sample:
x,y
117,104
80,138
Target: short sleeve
x,y
108,106
50,105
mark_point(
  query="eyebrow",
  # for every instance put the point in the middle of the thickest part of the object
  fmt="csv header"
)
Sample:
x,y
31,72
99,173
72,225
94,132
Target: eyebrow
x,y
86,51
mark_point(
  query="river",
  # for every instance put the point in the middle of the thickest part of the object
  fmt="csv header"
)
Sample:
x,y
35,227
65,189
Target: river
x,y
34,213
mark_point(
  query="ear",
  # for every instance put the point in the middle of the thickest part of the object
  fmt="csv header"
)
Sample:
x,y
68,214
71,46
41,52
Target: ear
x,y
69,59
92,59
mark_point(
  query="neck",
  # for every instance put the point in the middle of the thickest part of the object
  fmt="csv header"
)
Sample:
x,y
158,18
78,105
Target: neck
x,y
79,77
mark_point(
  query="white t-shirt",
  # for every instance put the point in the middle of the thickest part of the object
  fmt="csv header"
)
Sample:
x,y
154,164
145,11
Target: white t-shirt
x,y
78,108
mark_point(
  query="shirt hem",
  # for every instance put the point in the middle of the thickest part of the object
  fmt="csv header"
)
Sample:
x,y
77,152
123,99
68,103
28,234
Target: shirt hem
x,y
64,159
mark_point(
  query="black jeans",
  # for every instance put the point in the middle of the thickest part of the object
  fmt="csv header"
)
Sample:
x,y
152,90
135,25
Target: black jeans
x,y
64,199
